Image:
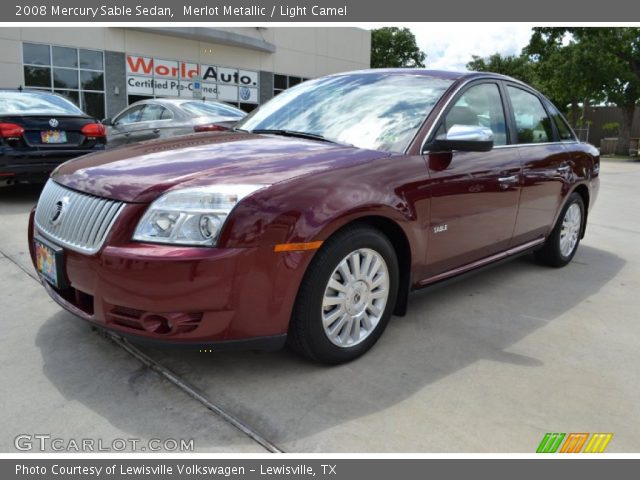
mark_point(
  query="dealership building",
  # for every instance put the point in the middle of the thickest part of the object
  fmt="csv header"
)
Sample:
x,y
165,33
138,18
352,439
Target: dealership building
x,y
104,69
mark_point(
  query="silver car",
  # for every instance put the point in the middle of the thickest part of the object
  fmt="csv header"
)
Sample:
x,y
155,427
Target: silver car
x,y
163,118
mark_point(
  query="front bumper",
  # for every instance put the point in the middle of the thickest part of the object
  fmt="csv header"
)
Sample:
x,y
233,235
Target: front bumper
x,y
188,296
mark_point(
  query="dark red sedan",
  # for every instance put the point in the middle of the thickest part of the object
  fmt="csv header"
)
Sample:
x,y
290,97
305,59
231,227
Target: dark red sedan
x,y
313,220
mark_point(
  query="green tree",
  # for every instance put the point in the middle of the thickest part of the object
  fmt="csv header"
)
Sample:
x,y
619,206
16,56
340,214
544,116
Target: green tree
x,y
393,47
607,68
522,67
557,72
567,73
519,67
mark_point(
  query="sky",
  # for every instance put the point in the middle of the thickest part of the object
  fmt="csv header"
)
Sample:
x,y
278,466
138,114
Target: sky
x,y
449,46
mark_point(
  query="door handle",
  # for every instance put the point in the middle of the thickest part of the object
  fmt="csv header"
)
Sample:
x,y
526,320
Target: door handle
x,y
563,169
127,134
506,182
156,130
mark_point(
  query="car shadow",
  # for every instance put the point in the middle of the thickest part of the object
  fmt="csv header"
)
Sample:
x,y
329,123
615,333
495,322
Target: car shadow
x,y
88,368
447,329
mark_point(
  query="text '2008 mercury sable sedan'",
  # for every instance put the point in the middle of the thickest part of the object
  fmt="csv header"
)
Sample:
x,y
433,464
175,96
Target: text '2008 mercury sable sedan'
x,y
310,223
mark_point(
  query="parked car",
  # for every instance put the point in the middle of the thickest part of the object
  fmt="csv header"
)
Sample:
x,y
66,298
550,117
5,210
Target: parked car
x,y
39,130
163,118
312,221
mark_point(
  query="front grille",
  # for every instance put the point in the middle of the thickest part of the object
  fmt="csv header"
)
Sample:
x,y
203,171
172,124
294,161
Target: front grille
x,y
75,220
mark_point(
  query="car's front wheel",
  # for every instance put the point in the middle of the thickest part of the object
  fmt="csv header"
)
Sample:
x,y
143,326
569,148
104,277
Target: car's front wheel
x,y
346,297
562,243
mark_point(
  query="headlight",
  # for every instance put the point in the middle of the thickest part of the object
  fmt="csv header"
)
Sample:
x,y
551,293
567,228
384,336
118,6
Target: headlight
x,y
190,216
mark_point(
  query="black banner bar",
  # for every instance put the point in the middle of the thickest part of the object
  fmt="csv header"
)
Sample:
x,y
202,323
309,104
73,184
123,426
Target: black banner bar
x,y
266,11
333,469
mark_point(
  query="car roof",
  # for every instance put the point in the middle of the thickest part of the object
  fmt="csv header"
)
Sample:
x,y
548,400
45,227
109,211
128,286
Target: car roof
x,y
179,101
445,74
43,92
31,90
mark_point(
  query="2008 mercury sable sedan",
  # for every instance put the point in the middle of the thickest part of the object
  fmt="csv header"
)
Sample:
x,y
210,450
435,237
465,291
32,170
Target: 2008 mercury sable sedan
x,y
313,220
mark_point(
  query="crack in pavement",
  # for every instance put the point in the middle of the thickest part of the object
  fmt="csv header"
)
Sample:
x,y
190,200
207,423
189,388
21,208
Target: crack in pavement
x,y
170,376
19,265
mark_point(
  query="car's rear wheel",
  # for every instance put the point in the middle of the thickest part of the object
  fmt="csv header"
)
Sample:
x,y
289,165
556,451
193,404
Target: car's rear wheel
x,y
562,243
346,297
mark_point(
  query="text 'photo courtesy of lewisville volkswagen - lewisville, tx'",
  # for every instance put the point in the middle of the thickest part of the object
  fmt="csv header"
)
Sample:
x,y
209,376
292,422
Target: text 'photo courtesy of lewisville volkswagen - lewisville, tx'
x,y
378,244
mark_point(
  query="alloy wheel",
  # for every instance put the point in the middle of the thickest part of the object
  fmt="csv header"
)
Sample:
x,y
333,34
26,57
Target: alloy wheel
x,y
570,229
355,297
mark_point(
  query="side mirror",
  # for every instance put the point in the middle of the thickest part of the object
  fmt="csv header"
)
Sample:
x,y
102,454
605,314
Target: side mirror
x,y
107,121
465,138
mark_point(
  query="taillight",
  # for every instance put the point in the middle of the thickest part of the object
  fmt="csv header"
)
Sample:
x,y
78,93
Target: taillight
x,y
211,127
11,131
93,130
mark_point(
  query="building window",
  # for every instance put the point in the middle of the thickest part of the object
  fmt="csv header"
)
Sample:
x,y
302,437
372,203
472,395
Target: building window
x,y
282,82
76,73
34,54
247,107
37,76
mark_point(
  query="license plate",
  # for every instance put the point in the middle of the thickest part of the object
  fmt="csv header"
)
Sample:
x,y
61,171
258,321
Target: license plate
x,y
53,136
49,262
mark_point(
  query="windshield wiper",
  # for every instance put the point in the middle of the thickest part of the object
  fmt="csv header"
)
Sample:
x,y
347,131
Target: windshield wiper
x,y
293,133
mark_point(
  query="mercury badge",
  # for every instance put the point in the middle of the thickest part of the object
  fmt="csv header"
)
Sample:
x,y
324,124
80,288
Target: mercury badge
x,y
58,211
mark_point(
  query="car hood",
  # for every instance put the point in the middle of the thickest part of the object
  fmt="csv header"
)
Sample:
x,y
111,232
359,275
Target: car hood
x,y
143,171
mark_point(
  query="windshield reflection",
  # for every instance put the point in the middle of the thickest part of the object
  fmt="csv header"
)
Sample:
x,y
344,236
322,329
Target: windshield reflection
x,y
378,111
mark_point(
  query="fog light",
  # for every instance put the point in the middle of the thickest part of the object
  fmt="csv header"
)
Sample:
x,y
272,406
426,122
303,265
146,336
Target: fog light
x,y
155,323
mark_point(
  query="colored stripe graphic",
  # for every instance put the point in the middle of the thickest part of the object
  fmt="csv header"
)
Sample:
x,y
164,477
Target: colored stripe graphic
x,y
598,442
550,443
574,442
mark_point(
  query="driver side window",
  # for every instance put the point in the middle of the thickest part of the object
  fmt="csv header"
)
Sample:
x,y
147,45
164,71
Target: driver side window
x,y
479,106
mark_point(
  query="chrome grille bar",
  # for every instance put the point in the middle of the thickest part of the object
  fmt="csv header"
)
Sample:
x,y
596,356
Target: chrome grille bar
x,y
84,220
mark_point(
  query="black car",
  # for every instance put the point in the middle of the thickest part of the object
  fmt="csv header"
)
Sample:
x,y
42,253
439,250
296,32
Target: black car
x,y
39,130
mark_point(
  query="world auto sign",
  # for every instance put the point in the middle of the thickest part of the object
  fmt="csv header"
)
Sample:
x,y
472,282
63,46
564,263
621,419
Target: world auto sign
x,y
174,78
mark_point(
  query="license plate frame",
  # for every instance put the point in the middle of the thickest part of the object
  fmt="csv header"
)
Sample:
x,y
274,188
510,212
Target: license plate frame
x,y
53,137
50,262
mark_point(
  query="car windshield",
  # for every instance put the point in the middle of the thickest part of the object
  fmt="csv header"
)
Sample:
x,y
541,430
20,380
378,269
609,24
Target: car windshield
x,y
379,111
36,103
202,109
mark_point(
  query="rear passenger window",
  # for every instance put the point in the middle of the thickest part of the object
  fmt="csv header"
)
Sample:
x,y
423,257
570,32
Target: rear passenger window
x,y
563,129
152,112
480,105
166,114
532,122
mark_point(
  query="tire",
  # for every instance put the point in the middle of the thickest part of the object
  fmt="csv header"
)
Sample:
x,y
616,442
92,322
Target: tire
x,y
339,312
562,243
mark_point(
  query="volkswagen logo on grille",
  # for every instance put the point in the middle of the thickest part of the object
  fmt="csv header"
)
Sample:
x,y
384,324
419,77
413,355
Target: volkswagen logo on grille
x,y
54,123
58,211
